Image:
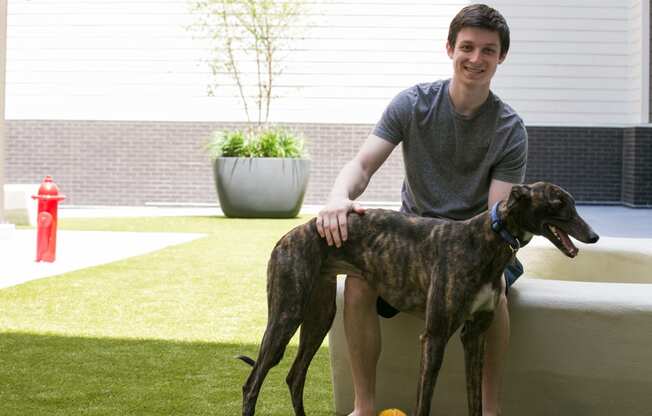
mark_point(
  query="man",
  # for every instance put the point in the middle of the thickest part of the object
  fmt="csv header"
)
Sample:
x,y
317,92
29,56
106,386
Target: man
x,y
463,149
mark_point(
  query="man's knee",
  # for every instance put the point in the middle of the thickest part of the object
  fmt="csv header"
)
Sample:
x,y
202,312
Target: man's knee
x,y
358,292
502,300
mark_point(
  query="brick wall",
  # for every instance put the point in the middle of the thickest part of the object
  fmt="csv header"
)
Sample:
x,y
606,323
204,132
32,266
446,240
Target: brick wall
x,y
112,163
132,163
637,166
584,160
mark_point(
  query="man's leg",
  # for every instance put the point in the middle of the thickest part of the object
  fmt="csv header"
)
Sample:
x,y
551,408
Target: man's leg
x,y
362,328
494,357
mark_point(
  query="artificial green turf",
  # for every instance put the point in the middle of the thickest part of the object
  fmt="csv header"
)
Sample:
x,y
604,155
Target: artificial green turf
x,y
151,335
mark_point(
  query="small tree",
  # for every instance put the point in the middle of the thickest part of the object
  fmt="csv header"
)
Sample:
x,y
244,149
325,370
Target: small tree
x,y
242,31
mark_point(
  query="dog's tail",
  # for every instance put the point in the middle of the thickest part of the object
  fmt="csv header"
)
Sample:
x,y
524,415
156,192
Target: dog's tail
x,y
246,359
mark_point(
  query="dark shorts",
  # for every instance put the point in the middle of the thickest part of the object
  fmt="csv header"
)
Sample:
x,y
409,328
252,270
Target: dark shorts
x,y
512,272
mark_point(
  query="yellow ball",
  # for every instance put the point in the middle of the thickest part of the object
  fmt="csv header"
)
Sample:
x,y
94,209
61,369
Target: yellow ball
x,y
391,412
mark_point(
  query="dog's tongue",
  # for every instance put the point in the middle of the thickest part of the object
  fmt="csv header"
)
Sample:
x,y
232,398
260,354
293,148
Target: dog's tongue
x,y
568,244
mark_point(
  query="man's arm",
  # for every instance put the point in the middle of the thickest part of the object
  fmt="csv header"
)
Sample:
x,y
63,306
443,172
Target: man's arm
x,y
349,184
498,190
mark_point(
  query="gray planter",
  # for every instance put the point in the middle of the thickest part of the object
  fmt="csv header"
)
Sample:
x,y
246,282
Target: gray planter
x,y
261,187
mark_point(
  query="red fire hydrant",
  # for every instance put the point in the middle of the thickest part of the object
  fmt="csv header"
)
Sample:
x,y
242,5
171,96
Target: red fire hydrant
x,y
48,204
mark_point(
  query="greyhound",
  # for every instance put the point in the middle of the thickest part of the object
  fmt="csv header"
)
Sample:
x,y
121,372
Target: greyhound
x,y
446,272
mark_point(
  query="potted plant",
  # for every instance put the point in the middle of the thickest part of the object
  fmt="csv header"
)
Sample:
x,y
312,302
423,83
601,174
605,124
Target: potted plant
x,y
262,171
259,173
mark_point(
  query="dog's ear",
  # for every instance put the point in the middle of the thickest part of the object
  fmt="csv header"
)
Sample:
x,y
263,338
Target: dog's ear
x,y
518,193
556,196
556,203
556,200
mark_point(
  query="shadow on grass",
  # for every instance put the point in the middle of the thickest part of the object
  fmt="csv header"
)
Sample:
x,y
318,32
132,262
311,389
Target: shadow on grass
x,y
60,375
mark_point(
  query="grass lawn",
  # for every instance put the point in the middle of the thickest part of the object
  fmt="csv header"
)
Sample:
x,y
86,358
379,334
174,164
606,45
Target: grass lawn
x,y
151,335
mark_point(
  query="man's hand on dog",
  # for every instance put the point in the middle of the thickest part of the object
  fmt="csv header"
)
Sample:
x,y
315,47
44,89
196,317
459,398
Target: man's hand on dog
x,y
331,220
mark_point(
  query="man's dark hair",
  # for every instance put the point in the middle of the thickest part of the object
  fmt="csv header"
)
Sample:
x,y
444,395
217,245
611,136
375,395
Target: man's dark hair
x,y
483,17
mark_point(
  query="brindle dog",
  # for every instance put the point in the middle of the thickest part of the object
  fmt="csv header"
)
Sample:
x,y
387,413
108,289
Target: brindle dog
x,y
447,272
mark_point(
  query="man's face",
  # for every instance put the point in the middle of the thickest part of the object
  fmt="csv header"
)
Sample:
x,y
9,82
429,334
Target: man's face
x,y
476,56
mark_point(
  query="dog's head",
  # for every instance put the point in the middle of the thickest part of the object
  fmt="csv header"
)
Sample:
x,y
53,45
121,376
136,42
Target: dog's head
x,y
546,209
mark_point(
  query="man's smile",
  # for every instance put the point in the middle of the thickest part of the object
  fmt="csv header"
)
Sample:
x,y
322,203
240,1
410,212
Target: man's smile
x,y
474,69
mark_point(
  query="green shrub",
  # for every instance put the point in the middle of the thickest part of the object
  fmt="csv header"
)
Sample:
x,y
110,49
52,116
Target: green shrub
x,y
272,142
227,144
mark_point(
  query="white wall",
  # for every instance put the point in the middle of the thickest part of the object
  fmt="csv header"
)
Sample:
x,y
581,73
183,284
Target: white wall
x,y
572,63
575,62
639,36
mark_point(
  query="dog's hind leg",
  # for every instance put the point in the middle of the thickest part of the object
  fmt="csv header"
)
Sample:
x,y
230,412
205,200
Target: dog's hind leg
x,y
318,320
277,335
290,283
286,302
473,339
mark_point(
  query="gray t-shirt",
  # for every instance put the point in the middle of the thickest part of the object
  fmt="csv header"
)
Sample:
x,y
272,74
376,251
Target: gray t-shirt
x,y
451,159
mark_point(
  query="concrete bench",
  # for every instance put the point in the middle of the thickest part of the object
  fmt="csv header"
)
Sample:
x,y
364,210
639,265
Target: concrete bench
x,y
20,208
580,340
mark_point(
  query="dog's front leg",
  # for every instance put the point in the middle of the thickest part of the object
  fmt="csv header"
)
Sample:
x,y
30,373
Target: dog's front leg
x,y
433,343
473,339
432,355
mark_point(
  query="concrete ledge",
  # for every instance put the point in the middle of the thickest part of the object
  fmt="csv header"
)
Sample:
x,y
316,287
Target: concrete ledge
x,y
577,347
20,208
7,231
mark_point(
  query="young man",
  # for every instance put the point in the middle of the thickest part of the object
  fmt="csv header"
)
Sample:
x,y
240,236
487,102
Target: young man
x,y
463,149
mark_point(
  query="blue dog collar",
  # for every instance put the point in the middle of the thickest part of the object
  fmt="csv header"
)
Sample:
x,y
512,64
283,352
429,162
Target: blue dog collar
x,y
498,227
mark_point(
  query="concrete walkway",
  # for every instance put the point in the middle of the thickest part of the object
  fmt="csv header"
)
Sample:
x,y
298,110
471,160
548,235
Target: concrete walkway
x,y
617,221
77,250
81,249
